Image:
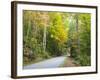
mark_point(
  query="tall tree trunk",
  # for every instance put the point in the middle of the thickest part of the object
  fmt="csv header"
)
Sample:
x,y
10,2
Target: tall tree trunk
x,y
77,30
44,39
28,29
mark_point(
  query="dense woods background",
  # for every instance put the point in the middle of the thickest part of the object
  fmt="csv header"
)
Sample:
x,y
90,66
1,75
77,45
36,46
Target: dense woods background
x,y
51,34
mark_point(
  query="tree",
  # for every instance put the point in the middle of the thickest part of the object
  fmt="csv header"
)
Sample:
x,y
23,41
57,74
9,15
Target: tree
x,y
85,39
58,34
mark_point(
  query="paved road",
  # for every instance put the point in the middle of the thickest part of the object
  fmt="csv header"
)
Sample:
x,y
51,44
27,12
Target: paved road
x,y
50,63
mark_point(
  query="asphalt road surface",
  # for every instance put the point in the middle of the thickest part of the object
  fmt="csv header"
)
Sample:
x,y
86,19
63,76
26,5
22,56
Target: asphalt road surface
x,y
49,63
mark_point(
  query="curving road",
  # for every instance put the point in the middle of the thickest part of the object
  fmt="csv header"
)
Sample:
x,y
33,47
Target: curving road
x,y
50,63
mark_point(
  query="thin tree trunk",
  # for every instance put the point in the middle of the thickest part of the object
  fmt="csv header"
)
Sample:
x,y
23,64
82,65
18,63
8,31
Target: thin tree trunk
x,y
44,39
77,30
28,29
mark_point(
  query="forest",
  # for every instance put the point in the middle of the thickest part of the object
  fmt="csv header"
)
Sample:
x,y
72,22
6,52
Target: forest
x,y
48,34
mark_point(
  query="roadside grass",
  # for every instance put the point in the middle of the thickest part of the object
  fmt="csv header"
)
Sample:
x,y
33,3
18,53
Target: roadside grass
x,y
35,61
76,63
25,63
